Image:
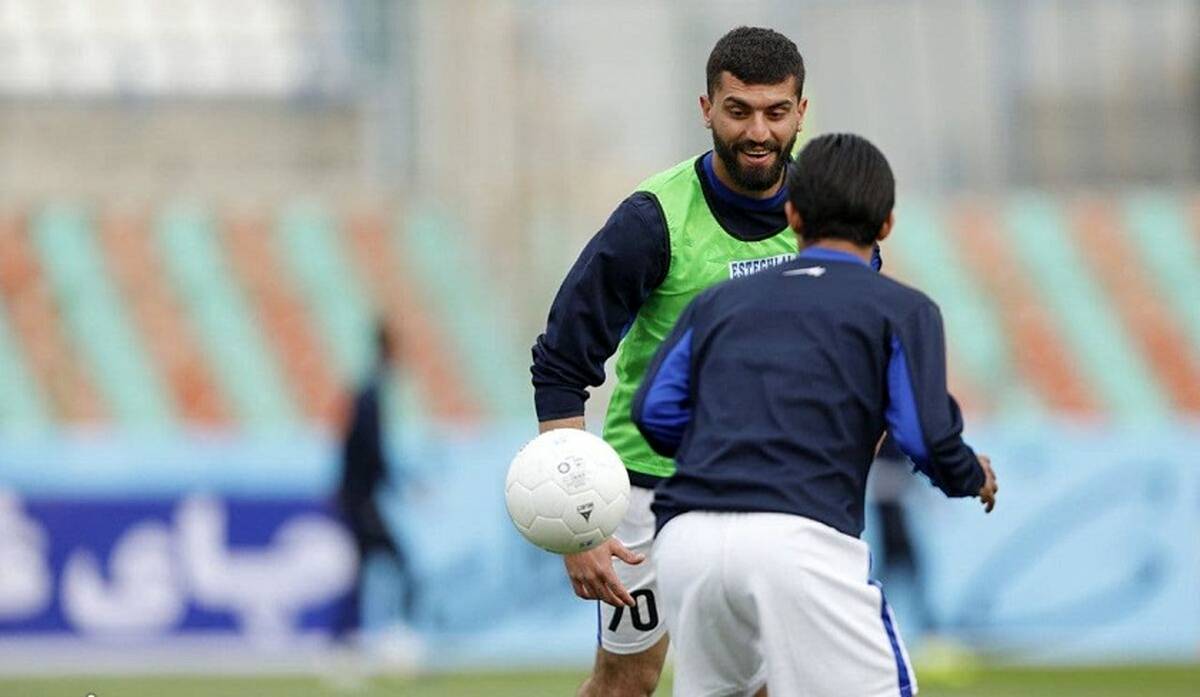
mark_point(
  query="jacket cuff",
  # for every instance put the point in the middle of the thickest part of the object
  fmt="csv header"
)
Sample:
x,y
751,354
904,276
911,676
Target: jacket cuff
x,y
973,482
558,402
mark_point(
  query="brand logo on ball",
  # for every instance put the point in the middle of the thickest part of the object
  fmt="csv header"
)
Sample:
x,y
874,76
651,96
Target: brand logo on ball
x,y
574,473
585,510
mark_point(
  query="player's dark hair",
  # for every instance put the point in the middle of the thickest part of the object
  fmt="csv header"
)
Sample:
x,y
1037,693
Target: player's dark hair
x,y
756,56
842,187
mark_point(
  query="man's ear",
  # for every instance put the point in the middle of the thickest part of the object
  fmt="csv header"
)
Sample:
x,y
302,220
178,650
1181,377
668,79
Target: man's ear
x,y
886,229
795,222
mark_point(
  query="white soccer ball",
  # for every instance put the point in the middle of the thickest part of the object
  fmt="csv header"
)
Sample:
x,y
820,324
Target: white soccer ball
x,y
566,491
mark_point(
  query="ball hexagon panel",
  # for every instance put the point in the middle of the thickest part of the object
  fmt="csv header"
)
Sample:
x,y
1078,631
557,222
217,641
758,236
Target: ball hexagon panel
x,y
549,500
520,505
553,535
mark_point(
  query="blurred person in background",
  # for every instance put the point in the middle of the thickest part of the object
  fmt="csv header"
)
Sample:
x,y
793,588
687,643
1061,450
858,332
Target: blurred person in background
x,y
891,479
366,471
716,216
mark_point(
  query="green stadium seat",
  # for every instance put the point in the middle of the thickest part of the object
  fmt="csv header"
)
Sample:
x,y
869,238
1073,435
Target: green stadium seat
x,y
471,310
923,246
308,242
242,363
97,319
22,405
1158,223
1094,333
338,298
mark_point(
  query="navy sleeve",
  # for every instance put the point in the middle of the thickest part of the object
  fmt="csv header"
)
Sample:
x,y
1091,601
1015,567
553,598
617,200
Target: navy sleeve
x,y
922,416
598,300
662,405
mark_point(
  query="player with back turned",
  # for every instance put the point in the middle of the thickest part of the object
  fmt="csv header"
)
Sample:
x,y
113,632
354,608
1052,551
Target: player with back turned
x,y
711,218
771,394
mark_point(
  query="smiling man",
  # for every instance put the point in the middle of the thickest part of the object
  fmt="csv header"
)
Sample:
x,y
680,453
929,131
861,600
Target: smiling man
x,y
710,218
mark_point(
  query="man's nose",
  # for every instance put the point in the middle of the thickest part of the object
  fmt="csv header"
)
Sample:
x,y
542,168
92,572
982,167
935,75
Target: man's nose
x,y
758,131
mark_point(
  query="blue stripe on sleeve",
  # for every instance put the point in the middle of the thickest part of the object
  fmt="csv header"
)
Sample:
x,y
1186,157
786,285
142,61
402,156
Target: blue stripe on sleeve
x,y
901,413
667,409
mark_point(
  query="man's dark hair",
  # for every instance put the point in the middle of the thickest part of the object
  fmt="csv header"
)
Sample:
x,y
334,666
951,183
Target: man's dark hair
x,y
756,56
842,187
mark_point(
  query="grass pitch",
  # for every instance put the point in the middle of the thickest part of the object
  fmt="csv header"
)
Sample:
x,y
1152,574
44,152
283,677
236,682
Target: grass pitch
x,y
1164,681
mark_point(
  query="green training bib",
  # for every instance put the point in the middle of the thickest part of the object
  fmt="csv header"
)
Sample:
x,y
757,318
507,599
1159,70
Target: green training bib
x,y
702,255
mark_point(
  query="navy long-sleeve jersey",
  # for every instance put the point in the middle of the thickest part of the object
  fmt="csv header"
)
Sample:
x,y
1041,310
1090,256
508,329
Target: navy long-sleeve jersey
x,y
773,390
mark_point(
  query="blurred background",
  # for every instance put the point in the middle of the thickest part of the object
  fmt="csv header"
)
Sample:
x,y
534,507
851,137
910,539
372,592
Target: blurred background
x,y
208,206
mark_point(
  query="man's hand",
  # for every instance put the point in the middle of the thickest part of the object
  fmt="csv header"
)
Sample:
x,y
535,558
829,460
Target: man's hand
x,y
592,573
987,492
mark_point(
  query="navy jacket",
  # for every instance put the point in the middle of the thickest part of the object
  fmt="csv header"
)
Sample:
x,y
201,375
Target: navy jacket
x,y
364,463
773,390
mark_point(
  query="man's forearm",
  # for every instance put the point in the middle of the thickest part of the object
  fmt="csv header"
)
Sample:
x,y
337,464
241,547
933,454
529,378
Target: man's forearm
x,y
569,422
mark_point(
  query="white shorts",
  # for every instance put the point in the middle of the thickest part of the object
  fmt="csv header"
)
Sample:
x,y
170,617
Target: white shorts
x,y
629,630
754,596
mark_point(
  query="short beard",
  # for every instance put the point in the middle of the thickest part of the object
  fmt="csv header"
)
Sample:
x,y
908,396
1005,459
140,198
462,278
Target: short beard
x,y
753,178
